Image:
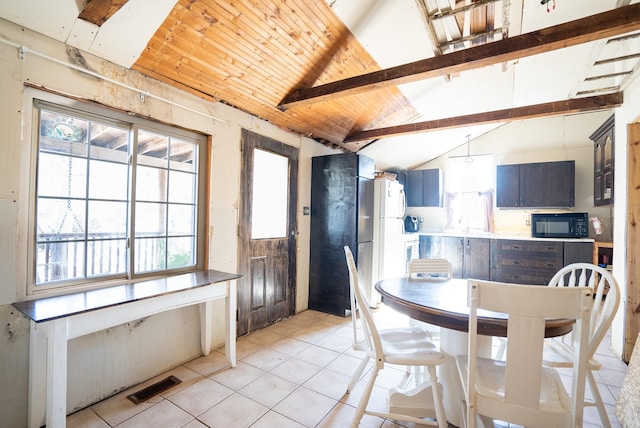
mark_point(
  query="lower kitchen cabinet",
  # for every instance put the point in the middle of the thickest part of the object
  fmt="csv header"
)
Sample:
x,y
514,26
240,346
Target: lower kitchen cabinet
x,y
476,253
525,262
517,261
469,257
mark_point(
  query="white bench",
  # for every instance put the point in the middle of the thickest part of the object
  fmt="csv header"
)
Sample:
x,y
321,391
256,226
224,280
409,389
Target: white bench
x,y
55,320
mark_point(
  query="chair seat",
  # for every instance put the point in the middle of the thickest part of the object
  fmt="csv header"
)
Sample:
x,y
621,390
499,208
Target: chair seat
x,y
560,354
409,346
490,381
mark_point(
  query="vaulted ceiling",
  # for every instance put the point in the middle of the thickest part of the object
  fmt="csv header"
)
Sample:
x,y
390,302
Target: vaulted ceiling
x,y
366,73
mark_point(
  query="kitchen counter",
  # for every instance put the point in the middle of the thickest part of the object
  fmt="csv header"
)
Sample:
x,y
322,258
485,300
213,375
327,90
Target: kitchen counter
x,y
515,236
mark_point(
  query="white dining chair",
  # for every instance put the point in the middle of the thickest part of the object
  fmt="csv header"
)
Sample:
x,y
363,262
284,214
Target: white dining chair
x,y
558,351
520,389
429,269
408,346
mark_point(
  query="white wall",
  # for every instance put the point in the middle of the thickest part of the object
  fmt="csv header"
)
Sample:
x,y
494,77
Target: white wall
x,y
109,361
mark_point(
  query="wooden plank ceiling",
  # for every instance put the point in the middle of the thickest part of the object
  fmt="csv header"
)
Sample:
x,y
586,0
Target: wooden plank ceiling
x,y
250,54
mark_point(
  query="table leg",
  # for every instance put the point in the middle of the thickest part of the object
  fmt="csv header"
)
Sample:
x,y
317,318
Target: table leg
x,y
56,378
206,320
37,376
454,343
230,307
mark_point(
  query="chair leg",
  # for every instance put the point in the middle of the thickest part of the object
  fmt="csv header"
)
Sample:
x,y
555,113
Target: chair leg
x,y
597,398
437,397
358,374
364,400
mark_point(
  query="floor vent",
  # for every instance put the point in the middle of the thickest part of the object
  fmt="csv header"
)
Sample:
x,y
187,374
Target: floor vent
x,y
153,390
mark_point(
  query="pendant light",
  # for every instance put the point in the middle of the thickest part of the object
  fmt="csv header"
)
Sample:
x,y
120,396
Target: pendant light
x,y
468,159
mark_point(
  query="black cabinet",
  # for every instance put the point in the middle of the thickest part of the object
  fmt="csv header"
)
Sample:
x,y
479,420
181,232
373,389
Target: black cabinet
x,y
341,214
535,185
424,188
603,163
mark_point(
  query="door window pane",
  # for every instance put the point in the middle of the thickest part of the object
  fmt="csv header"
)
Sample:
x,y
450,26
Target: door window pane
x,y
270,195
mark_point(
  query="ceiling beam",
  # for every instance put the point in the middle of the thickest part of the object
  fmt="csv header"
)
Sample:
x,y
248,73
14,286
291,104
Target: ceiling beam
x,y
603,25
556,108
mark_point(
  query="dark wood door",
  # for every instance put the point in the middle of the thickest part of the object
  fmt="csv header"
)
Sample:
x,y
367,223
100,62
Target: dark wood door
x,y
267,254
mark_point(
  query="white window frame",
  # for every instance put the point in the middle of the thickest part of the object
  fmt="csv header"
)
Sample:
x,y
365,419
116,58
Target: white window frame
x,y
27,201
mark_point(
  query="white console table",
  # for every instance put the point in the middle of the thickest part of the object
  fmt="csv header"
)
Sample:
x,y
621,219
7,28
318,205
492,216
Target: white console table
x,y
55,320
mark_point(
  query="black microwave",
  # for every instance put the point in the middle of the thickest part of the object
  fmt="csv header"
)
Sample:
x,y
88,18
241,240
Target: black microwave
x,y
559,225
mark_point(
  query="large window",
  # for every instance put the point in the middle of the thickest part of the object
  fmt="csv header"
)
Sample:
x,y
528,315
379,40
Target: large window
x,y
116,197
469,193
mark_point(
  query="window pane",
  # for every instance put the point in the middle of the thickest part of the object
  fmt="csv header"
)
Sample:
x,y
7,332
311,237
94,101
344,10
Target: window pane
x,y
183,155
152,149
150,219
56,261
150,254
109,143
61,176
180,252
106,257
181,220
108,180
60,133
181,187
107,220
475,176
151,184
60,219
270,195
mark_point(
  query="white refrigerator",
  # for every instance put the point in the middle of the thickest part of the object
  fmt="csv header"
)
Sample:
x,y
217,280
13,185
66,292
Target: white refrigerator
x,y
388,233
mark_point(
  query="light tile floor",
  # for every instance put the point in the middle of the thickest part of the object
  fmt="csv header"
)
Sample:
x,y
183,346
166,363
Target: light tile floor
x,y
289,375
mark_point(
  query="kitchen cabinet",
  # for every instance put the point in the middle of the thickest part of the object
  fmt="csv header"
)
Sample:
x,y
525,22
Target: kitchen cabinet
x,y
578,252
469,257
424,188
342,190
525,262
603,163
543,184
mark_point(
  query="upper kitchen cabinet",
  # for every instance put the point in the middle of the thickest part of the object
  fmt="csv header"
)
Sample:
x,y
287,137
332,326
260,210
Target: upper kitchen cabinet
x,y
424,188
536,185
603,163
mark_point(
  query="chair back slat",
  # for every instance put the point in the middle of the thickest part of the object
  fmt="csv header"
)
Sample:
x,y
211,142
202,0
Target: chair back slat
x,y
430,268
606,293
